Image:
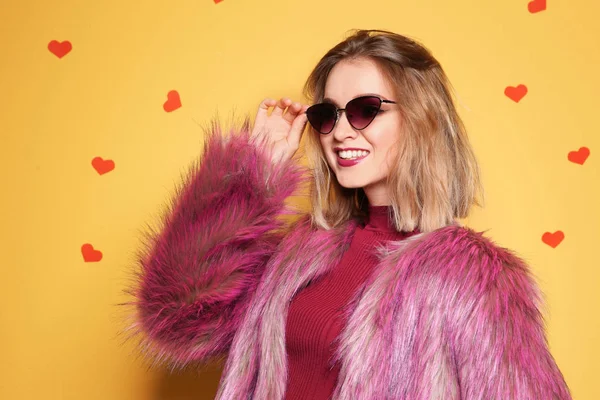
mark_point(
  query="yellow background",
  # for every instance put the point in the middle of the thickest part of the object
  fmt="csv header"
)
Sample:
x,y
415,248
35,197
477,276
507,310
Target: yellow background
x,y
60,322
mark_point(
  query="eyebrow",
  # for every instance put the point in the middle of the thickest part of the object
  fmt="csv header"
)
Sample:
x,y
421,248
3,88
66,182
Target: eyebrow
x,y
330,100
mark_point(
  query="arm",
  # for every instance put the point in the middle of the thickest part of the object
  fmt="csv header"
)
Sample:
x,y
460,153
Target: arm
x,y
501,349
199,271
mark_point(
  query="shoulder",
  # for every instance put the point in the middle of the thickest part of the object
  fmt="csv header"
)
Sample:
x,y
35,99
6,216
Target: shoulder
x,y
462,247
472,263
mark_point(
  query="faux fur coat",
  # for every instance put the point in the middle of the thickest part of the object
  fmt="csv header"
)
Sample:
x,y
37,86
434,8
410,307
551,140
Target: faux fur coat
x,y
446,315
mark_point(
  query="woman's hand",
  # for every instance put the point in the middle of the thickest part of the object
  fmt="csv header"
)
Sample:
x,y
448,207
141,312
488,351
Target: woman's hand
x,y
279,132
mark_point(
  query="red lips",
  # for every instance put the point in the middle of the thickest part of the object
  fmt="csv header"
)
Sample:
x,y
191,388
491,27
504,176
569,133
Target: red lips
x,y
348,163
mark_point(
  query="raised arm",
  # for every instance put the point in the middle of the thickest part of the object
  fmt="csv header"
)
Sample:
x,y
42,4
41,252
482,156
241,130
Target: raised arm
x,y
199,270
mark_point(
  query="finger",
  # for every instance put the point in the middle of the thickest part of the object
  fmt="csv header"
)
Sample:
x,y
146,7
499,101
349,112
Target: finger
x,y
292,112
262,113
281,105
297,129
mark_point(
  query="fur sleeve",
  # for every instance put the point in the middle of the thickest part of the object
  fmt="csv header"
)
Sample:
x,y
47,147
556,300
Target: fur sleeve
x,y
198,271
500,345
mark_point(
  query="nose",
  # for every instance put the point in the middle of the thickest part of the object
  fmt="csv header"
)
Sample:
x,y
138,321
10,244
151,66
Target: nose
x,y
342,128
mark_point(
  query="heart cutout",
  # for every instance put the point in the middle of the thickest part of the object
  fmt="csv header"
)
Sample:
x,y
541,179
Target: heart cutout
x,y
579,156
103,166
90,254
515,93
536,6
173,101
60,49
553,239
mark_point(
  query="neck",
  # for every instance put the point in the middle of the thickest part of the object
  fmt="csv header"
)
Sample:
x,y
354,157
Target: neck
x,y
379,218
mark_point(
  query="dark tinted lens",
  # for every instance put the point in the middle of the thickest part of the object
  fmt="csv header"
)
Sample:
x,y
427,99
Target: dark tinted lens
x,y
362,111
321,117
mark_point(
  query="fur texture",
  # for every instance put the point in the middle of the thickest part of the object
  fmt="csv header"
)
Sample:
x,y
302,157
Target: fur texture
x,y
446,315
200,268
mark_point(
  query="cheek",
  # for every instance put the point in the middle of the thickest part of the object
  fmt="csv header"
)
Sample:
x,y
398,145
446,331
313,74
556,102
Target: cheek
x,y
392,151
386,149
324,140
325,145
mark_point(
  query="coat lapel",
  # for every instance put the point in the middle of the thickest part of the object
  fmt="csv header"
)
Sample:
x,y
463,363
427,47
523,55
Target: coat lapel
x,y
393,345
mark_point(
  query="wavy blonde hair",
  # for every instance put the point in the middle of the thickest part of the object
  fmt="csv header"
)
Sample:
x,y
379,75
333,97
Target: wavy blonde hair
x,y
434,178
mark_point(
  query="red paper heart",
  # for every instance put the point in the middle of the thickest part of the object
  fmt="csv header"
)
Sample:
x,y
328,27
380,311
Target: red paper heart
x,y
579,156
553,239
103,166
89,254
515,93
60,49
173,101
218,1
536,6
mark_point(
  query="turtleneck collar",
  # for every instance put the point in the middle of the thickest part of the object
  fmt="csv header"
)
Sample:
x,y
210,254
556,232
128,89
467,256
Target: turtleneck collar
x,y
379,219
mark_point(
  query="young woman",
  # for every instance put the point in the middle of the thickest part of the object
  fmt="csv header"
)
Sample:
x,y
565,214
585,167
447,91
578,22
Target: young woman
x,y
378,292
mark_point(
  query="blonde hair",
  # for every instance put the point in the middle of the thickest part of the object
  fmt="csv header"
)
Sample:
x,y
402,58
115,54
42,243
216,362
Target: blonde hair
x,y
434,178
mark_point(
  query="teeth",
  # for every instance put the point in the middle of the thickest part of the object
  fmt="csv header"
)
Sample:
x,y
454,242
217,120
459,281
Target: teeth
x,y
350,154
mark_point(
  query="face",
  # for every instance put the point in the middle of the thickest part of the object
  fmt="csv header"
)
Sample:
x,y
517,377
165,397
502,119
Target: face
x,y
348,80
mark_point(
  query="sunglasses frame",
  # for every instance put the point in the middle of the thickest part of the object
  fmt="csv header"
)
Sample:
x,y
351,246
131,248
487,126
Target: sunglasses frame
x,y
337,112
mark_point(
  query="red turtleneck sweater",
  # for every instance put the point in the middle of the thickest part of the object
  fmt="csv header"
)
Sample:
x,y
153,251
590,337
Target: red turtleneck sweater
x,y
314,318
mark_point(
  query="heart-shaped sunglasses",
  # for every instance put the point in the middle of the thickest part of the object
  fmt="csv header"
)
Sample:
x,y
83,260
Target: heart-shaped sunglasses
x,y
360,112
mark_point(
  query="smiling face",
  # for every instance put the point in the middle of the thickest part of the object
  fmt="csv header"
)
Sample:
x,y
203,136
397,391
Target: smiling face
x,y
346,81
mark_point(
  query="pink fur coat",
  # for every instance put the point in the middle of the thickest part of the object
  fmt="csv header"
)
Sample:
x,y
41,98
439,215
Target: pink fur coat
x,y
446,315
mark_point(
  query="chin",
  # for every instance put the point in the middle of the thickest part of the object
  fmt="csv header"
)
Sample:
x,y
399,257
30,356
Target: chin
x,y
350,183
